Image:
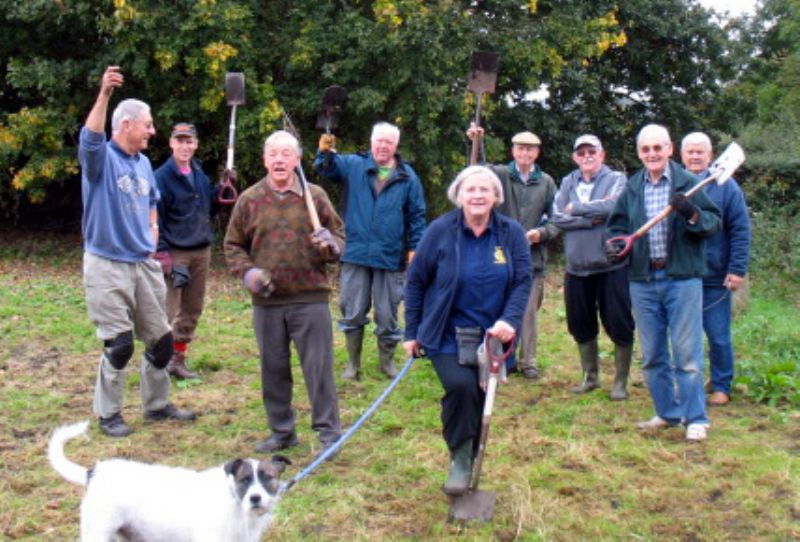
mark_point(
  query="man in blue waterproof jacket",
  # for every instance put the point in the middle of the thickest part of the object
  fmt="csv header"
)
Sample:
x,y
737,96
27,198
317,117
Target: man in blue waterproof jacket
x,y
383,207
727,256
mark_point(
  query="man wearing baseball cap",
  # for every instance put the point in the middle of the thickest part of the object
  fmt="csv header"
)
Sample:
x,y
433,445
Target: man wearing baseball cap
x,y
529,193
592,284
188,203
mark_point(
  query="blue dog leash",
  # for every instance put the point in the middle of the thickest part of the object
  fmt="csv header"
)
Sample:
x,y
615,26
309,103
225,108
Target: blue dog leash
x,y
328,452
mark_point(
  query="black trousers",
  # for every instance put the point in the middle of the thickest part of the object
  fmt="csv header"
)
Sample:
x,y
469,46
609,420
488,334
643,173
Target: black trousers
x,y
462,403
603,293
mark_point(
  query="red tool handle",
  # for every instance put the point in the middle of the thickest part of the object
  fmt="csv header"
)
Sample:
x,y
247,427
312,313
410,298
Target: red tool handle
x,y
496,361
227,192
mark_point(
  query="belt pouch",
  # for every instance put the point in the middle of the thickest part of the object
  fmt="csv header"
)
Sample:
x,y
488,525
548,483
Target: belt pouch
x,y
468,340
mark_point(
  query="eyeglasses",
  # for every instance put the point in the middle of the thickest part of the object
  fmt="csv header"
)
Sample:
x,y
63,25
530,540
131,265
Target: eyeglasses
x,y
584,152
647,148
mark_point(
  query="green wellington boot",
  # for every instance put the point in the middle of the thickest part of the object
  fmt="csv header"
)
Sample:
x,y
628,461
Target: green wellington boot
x,y
622,362
354,340
588,352
458,480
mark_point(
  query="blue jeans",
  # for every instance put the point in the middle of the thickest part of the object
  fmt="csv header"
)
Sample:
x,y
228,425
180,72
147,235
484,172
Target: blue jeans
x,y
671,310
717,325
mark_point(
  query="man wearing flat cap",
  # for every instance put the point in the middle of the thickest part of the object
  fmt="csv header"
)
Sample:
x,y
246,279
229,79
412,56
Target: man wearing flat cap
x,y
188,203
592,284
529,193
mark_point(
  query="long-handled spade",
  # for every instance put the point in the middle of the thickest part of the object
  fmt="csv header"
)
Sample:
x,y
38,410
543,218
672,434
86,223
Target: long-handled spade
x,y
475,503
720,171
234,95
482,78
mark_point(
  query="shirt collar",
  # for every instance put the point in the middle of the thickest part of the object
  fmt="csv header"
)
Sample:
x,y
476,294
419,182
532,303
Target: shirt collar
x,y
295,187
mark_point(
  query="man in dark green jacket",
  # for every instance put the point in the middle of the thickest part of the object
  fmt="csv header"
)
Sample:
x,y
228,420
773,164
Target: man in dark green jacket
x,y
666,281
529,193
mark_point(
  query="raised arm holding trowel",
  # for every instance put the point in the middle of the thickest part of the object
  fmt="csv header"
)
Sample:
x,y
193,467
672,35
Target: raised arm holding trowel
x,y
528,194
378,183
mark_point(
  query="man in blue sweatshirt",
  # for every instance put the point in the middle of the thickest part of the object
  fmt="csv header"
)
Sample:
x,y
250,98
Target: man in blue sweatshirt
x,y
727,255
124,285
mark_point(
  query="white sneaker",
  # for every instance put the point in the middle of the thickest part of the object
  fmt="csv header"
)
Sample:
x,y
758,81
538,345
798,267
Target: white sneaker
x,y
656,422
696,432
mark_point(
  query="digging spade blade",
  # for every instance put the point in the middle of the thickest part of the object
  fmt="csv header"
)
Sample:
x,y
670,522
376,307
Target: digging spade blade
x,y
333,99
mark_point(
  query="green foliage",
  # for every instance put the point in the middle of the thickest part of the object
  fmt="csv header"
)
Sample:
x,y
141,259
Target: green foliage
x,y
769,370
769,126
405,61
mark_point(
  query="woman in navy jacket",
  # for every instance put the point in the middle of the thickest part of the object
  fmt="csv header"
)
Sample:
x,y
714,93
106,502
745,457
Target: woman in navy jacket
x,y
472,269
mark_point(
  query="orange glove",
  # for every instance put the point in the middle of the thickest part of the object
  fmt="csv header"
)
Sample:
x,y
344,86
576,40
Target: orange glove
x,y
327,143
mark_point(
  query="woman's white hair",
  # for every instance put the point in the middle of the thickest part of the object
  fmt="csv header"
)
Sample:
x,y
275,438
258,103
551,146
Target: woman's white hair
x,y
655,131
130,109
385,128
455,187
282,136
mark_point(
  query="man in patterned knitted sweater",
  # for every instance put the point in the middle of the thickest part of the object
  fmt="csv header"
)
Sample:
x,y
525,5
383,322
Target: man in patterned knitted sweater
x,y
270,245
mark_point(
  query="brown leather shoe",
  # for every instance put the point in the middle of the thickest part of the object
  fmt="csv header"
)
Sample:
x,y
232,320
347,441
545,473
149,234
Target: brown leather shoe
x,y
719,398
177,367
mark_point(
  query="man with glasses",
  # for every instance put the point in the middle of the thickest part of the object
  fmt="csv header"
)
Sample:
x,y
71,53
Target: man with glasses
x,y
727,254
529,193
666,287
592,284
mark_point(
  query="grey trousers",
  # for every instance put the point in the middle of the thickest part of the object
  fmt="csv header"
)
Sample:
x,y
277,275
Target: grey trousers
x,y
530,331
185,305
361,286
308,326
121,297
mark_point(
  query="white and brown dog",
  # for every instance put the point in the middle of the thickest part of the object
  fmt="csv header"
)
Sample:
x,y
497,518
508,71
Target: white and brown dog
x,y
127,500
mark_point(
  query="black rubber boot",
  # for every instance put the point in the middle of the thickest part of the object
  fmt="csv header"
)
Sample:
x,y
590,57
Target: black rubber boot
x,y
622,362
354,341
458,480
588,352
386,354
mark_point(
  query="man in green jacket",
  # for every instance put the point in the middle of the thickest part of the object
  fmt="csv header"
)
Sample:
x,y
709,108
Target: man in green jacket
x,y
529,193
666,281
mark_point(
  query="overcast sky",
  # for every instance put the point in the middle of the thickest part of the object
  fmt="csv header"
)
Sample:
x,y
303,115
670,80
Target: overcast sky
x,y
733,7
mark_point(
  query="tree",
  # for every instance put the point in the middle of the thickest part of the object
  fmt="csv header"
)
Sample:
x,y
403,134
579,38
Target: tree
x,y
404,61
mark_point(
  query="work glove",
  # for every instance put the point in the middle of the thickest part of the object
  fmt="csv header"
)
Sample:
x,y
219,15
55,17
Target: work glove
x,y
324,241
682,205
165,259
613,249
259,282
327,142
181,277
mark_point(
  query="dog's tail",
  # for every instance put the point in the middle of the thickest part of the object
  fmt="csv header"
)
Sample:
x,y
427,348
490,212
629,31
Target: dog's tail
x,y
55,453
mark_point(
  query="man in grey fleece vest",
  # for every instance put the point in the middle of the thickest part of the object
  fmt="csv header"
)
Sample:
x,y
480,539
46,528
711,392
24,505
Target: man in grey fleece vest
x,y
592,285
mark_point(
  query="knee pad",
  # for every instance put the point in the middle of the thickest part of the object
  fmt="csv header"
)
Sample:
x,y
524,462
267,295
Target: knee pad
x,y
119,350
158,354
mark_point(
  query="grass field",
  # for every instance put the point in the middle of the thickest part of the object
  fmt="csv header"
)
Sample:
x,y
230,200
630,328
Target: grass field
x,y
564,467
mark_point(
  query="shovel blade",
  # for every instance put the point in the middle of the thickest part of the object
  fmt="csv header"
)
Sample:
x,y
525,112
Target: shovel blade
x,y
471,506
234,88
333,99
334,96
483,71
727,162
